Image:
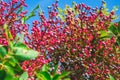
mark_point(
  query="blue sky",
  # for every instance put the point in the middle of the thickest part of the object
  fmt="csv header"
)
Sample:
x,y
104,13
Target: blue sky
x,y
93,3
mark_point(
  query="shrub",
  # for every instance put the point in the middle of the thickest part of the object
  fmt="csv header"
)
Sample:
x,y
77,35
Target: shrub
x,y
76,39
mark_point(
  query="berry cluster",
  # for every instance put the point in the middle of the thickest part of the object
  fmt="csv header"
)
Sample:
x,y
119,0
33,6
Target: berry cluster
x,y
73,38
11,15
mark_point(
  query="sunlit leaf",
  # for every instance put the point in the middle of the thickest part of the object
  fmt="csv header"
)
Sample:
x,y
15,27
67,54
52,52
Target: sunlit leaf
x,y
111,77
24,76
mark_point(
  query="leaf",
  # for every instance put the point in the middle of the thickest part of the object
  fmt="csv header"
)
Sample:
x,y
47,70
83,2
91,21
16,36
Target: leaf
x,y
20,9
8,33
45,67
21,37
20,44
119,27
56,77
60,76
23,19
44,75
24,76
67,79
31,14
3,51
118,40
64,74
24,54
11,61
2,74
111,77
60,10
55,70
9,73
61,17
105,34
37,7
113,29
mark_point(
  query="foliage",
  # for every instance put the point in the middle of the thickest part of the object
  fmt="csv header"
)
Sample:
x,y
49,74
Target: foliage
x,y
44,74
13,50
11,56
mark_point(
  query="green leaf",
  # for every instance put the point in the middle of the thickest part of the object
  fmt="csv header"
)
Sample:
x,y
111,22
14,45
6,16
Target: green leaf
x,y
60,76
8,33
67,79
21,37
37,7
24,76
44,75
32,14
2,74
11,61
60,10
55,70
61,17
111,77
20,44
56,77
24,54
23,20
113,29
105,34
19,10
45,67
118,40
3,51
119,27
10,75
64,74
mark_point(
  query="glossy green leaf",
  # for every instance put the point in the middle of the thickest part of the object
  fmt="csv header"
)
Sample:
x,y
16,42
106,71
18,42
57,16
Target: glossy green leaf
x,y
32,14
10,75
24,76
19,10
113,29
64,74
67,79
56,77
55,70
119,27
60,76
24,54
111,77
20,44
11,61
44,75
2,74
118,40
45,67
7,31
3,51
105,34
